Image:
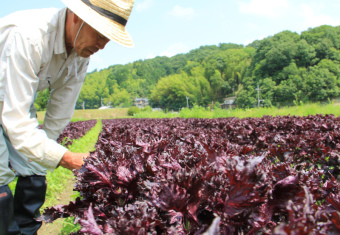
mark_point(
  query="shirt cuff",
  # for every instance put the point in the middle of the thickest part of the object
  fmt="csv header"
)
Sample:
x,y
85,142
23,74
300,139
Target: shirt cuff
x,y
53,156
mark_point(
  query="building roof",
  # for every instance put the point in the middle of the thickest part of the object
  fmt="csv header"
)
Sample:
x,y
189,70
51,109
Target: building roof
x,y
229,100
141,99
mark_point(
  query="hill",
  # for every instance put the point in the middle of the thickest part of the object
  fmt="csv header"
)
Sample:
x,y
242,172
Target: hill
x,y
288,68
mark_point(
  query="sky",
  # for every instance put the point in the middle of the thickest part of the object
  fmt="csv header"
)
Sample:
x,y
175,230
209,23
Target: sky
x,y
170,27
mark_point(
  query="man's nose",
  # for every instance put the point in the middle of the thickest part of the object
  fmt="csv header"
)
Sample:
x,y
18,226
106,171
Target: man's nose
x,y
102,43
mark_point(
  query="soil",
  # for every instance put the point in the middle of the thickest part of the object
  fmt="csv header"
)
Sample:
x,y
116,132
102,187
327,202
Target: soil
x,y
55,227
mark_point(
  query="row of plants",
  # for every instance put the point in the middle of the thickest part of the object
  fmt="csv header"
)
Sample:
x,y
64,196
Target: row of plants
x,y
75,130
62,178
216,112
57,180
269,175
70,137
84,144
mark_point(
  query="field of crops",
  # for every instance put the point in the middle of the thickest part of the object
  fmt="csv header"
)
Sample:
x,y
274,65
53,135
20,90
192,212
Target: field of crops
x,y
75,130
269,175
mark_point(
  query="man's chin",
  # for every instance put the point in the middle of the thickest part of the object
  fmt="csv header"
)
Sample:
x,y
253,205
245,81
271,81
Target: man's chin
x,y
85,56
85,53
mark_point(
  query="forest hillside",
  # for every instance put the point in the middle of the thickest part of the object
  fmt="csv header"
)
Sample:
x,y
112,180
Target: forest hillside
x,y
287,67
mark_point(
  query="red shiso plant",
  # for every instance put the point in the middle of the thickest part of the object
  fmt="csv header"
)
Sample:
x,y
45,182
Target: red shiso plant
x,y
270,175
75,130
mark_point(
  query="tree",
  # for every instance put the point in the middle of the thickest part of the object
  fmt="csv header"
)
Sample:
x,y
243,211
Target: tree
x,y
120,74
245,99
245,95
267,87
119,98
321,84
322,38
305,54
42,99
216,83
171,92
285,93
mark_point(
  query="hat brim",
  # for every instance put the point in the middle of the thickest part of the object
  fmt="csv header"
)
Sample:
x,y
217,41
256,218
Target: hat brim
x,y
109,28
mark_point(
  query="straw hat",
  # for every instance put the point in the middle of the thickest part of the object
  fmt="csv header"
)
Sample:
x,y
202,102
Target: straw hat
x,y
108,17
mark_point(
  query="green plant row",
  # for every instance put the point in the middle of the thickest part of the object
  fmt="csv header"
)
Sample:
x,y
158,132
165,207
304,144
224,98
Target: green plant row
x,y
201,112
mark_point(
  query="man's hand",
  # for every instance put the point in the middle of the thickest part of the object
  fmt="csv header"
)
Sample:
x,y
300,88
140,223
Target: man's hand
x,y
72,160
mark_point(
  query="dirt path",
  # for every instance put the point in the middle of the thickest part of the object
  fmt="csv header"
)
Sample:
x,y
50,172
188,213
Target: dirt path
x,y
55,227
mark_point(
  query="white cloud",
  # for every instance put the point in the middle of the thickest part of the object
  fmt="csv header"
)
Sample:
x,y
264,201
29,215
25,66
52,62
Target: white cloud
x,y
182,12
142,6
269,8
313,19
175,49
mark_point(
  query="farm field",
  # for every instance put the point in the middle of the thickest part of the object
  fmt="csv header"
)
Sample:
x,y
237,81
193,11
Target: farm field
x,y
264,175
88,114
60,179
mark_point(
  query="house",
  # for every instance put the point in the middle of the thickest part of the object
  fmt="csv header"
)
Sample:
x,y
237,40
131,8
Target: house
x,y
105,107
108,106
141,102
229,102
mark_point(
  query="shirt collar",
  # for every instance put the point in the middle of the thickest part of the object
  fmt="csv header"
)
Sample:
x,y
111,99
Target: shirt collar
x,y
59,46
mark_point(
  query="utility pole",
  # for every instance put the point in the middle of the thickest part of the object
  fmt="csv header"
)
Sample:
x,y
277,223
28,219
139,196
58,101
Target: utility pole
x,y
258,96
83,105
187,102
101,101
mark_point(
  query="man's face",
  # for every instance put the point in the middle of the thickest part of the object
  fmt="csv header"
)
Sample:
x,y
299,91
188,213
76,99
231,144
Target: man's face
x,y
89,41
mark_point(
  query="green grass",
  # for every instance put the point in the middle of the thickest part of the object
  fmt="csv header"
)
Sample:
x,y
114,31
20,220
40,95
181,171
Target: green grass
x,y
156,114
12,185
201,112
302,110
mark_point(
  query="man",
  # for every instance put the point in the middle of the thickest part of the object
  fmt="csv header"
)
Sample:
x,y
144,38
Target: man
x,y
42,49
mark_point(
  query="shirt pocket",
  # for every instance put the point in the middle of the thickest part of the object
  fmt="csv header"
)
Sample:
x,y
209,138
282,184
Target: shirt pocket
x,y
74,74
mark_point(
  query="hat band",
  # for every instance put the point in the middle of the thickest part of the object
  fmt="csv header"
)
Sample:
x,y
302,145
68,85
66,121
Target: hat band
x,y
106,13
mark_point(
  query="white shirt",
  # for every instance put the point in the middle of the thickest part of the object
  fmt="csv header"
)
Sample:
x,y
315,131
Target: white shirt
x,y
32,58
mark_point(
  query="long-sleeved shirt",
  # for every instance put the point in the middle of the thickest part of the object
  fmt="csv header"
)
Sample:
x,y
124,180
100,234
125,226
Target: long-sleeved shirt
x,y
33,57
